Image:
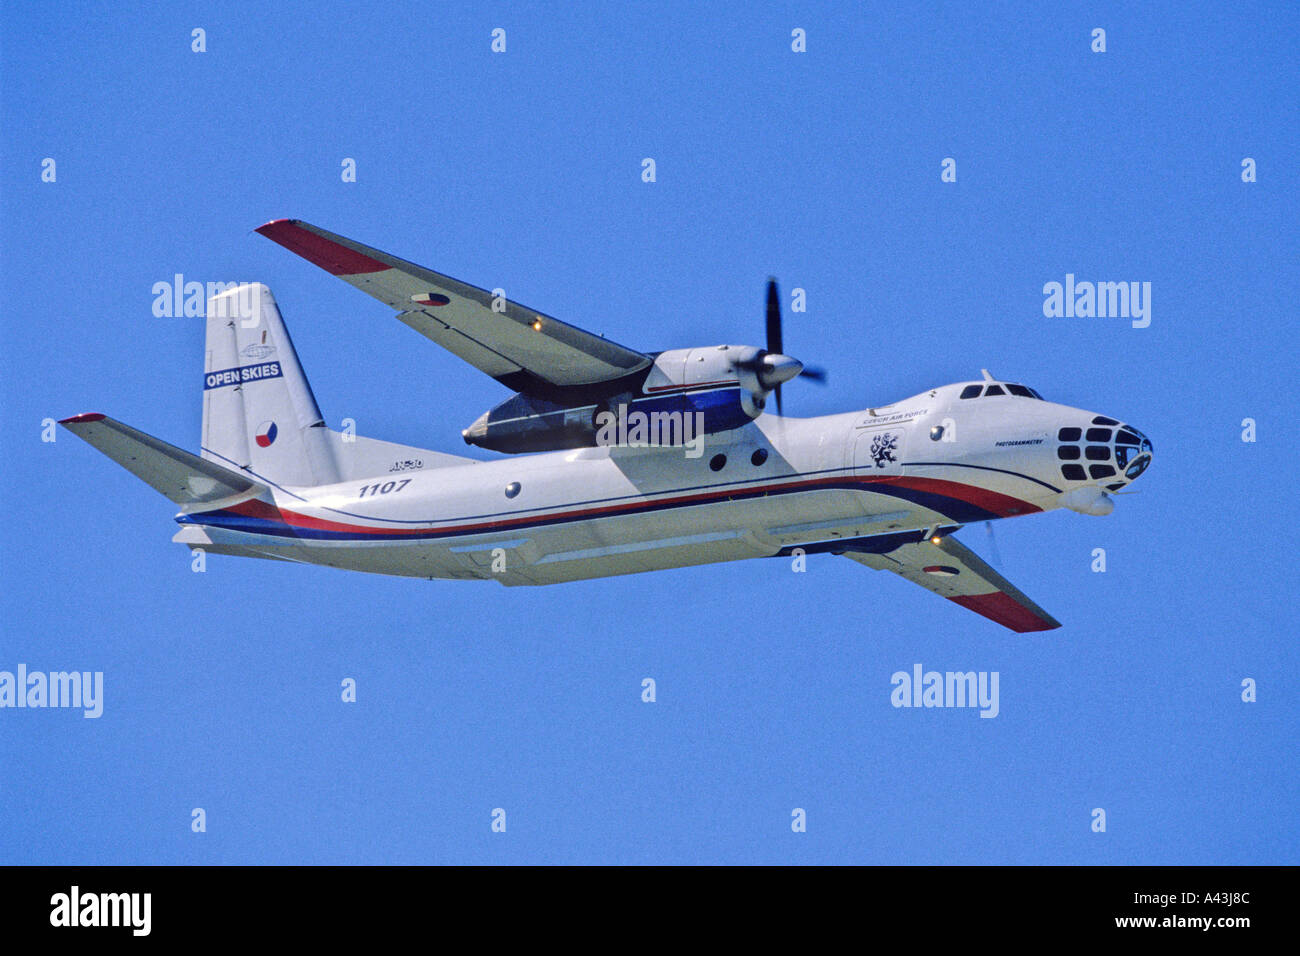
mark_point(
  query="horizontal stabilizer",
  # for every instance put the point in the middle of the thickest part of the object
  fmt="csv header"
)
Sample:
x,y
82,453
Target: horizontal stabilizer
x,y
182,477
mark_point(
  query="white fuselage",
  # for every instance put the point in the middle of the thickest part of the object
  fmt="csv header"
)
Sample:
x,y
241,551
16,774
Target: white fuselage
x,y
922,466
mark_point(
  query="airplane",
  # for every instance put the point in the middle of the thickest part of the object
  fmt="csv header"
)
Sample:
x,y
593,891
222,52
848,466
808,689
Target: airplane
x,y
581,492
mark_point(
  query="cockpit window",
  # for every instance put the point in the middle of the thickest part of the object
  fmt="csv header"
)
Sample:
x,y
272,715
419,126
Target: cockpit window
x,y
1022,391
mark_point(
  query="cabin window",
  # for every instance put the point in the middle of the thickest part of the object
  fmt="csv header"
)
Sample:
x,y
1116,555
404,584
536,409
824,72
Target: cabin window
x,y
936,433
718,462
758,457
512,489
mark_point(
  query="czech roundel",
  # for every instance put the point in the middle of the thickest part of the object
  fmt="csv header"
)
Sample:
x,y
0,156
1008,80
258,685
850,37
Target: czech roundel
x,y
266,433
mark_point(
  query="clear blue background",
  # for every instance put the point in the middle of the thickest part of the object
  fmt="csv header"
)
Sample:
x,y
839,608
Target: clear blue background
x,y
522,170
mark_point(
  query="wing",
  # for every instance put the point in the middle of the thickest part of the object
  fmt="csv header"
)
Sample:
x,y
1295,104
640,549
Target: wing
x,y
952,570
184,478
519,347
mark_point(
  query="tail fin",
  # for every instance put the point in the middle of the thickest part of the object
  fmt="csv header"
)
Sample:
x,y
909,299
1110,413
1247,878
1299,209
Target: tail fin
x,y
258,409
184,478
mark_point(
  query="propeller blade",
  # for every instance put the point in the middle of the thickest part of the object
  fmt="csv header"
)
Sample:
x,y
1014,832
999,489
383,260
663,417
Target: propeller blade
x,y
993,544
774,337
773,365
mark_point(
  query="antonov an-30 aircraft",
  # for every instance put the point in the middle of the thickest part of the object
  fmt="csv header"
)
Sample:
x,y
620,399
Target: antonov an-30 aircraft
x,y
713,476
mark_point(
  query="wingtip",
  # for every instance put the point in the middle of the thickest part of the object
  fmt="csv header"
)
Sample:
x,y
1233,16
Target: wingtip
x,y
340,258
275,225
83,418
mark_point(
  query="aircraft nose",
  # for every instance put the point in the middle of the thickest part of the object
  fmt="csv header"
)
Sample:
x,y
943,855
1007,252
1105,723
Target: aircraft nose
x,y
1102,451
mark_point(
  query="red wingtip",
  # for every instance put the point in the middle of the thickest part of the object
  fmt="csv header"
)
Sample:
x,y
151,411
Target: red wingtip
x,y
273,226
1002,608
334,258
78,419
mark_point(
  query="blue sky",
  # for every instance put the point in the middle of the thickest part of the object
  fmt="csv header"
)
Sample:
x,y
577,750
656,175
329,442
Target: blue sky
x,y
522,170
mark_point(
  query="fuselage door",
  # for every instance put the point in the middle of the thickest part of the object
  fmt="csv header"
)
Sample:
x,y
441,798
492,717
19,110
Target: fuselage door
x,y
879,451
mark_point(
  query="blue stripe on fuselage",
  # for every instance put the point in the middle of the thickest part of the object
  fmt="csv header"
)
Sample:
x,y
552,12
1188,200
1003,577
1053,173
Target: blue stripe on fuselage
x,y
951,508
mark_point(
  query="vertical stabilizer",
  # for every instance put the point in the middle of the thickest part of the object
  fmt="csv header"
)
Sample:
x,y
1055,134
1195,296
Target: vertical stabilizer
x,y
259,413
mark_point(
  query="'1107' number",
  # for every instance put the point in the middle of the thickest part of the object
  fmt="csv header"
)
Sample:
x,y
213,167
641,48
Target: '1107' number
x,y
386,488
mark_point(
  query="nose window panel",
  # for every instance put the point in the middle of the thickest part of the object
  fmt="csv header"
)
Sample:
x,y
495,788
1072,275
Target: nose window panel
x,y
1073,472
1098,453
1137,467
1069,434
1101,471
1126,437
1068,453
1098,434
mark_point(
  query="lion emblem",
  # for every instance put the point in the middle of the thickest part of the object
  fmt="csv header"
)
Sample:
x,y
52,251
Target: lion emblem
x,y
883,447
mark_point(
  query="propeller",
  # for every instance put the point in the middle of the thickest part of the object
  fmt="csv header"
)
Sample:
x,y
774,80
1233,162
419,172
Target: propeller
x,y
993,545
767,369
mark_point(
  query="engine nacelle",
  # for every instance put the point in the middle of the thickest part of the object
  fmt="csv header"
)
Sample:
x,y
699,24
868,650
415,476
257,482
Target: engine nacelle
x,y
719,388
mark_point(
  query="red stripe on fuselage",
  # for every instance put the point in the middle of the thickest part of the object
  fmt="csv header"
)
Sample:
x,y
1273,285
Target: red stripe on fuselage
x,y
1003,505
